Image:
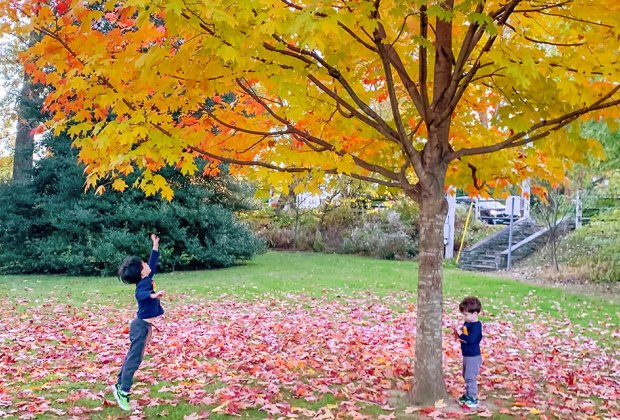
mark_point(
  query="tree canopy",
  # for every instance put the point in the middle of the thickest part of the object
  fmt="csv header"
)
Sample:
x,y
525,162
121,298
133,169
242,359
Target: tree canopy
x,y
349,87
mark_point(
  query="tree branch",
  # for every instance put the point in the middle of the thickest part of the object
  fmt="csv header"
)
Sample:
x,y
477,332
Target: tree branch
x,y
589,22
310,138
423,58
380,126
408,83
459,83
357,38
524,137
277,168
479,186
544,7
557,44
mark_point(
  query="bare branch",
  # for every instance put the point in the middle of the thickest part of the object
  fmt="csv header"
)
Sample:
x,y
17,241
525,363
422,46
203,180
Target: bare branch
x,y
459,83
253,145
407,82
472,37
415,129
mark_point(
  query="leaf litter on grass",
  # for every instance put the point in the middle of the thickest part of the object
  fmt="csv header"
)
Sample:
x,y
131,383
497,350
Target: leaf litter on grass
x,y
321,357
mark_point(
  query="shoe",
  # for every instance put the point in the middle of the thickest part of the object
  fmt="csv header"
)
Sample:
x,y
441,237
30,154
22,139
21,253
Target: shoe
x,y
122,398
471,402
463,399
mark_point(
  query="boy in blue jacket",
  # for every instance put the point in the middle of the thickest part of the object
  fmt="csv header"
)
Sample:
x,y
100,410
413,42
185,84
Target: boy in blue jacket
x,y
470,335
135,271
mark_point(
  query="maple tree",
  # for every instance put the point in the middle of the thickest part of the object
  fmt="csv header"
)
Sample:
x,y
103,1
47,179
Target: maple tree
x,y
412,95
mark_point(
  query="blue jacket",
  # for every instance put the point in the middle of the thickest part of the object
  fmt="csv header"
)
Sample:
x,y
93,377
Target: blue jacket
x,y
147,306
471,337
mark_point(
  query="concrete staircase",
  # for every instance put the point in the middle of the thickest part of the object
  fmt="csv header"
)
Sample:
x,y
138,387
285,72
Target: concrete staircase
x,y
491,253
486,255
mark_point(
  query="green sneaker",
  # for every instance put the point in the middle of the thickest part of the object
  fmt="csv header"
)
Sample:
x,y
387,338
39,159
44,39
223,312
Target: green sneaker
x,y
471,402
463,399
122,398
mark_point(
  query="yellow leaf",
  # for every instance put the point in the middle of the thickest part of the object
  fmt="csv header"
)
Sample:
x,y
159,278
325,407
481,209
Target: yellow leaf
x,y
119,185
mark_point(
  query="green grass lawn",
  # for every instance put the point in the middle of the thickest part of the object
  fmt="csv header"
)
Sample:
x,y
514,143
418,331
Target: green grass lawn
x,y
294,277
315,274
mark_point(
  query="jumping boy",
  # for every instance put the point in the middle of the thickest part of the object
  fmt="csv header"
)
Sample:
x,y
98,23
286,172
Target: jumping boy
x,y
135,271
470,335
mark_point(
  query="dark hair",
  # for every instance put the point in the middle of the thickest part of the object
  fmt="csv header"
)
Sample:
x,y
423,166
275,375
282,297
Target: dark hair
x,y
130,270
470,304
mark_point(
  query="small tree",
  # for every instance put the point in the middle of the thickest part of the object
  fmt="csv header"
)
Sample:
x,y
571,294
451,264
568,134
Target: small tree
x,y
553,208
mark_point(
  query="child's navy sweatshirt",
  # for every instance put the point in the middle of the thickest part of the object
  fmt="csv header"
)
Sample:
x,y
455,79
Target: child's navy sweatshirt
x,y
471,337
147,306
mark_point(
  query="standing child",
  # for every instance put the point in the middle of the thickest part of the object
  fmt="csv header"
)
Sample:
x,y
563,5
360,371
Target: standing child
x,y
135,271
470,335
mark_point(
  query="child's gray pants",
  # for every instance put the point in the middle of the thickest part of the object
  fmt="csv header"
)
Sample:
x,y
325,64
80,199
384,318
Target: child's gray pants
x,y
139,334
471,368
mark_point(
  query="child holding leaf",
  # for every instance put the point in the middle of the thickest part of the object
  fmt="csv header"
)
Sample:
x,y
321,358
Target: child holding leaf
x,y
135,271
470,335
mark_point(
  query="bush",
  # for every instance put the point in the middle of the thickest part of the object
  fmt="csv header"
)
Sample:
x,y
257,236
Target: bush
x,y
53,226
382,236
380,233
597,247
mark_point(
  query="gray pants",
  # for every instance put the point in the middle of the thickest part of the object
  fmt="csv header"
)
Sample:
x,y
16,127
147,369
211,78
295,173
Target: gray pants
x,y
471,368
139,334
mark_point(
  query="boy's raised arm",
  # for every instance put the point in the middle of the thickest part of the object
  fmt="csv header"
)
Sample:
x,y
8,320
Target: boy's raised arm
x,y
154,253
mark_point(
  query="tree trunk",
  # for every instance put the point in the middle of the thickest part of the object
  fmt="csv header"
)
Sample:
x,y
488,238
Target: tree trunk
x,y
428,382
24,140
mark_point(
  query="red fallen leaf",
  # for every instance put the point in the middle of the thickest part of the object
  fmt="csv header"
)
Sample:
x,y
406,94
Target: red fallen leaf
x,y
7,358
427,410
76,411
233,407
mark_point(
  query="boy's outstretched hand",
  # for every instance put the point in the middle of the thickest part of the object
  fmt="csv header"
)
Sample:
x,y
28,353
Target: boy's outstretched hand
x,y
455,332
157,295
155,240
